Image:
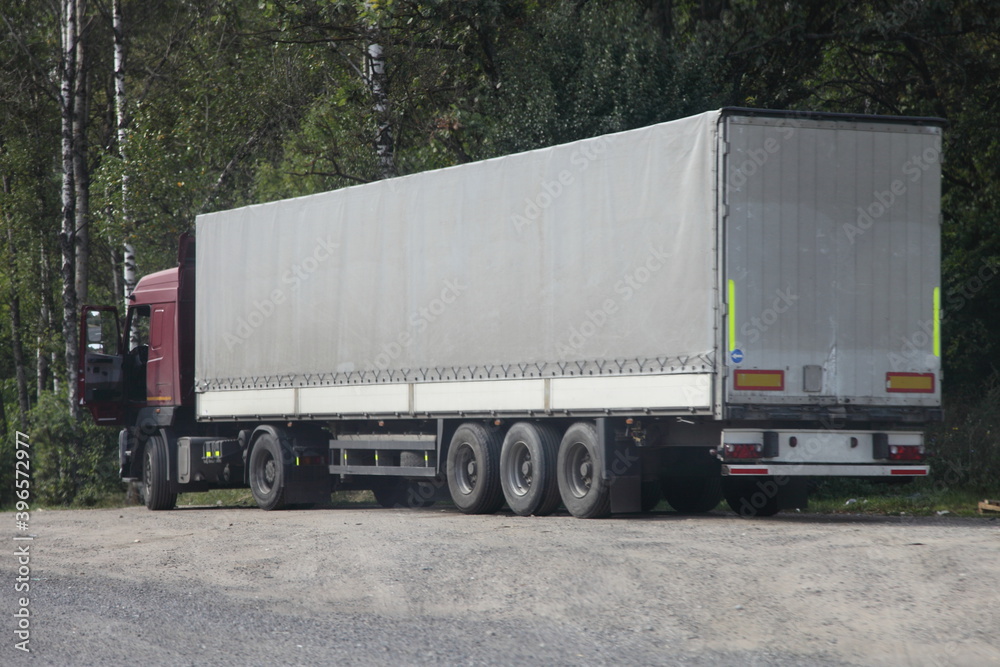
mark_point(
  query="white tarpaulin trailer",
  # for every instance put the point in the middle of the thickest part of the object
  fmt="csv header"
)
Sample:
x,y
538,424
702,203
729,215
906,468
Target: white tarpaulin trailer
x,y
731,261
718,306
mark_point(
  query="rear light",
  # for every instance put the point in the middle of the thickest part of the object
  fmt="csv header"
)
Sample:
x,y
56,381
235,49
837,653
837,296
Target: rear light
x,y
910,383
906,453
745,451
747,380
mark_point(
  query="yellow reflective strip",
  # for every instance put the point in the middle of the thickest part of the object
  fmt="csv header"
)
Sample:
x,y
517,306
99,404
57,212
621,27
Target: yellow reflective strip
x,y
937,321
759,380
296,460
770,380
731,315
911,382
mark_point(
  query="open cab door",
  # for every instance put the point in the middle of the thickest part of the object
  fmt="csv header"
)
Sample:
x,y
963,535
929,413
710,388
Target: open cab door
x,y
101,377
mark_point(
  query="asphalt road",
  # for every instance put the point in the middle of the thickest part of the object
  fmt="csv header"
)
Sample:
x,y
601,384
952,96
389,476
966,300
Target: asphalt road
x,y
367,586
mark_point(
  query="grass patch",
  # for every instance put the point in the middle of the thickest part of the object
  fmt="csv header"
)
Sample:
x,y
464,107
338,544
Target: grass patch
x,y
243,498
94,501
921,498
828,496
86,501
219,498
349,498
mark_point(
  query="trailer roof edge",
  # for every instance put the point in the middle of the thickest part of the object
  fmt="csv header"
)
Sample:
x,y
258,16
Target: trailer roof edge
x,y
829,115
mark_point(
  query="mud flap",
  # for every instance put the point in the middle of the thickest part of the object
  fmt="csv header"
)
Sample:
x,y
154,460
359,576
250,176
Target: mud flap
x,y
622,468
307,485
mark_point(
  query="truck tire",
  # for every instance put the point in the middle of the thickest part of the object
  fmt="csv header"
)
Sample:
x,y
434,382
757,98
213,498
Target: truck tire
x,y
692,495
750,497
474,469
267,473
528,469
156,487
584,493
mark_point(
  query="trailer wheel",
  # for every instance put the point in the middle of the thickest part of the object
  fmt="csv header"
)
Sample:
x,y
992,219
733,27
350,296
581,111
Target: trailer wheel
x,y
474,469
751,496
583,491
267,473
528,469
156,487
692,495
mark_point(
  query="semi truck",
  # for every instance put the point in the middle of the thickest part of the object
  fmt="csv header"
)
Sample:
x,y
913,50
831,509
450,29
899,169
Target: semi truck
x,y
722,306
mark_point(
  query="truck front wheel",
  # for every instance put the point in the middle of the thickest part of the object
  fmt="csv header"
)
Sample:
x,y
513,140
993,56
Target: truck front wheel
x,y
155,486
474,469
267,473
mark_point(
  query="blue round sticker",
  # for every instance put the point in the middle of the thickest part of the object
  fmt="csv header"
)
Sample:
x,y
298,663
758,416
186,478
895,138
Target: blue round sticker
x,y
736,356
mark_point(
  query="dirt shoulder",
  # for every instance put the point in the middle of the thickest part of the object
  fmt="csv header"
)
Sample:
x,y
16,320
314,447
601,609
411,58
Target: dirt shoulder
x,y
432,586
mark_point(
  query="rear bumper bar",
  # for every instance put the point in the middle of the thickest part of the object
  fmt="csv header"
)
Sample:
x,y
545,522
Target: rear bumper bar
x,y
823,470
821,453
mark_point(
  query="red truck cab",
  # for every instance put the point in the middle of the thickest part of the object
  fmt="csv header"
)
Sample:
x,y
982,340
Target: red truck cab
x,y
149,363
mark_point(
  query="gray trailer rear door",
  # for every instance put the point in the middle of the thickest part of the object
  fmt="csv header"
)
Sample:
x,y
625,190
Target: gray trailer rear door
x,y
831,260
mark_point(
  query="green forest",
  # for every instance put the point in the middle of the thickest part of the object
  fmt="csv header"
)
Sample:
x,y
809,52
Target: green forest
x,y
121,120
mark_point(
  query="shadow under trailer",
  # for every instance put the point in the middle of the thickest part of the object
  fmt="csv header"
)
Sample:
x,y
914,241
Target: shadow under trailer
x,y
722,306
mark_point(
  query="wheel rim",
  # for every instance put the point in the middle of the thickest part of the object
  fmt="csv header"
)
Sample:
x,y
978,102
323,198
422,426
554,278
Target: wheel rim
x,y
466,469
147,471
520,470
579,469
267,470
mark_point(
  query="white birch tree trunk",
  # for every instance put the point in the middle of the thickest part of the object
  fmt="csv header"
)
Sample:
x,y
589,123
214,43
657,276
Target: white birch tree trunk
x,y
67,236
129,272
81,172
379,86
43,352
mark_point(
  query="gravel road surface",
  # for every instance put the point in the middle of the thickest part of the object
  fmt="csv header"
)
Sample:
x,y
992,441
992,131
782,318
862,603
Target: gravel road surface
x,y
368,586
